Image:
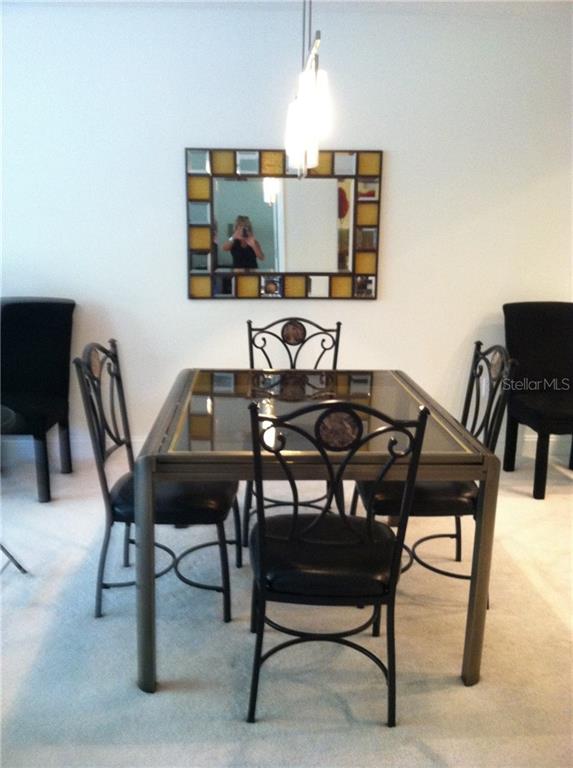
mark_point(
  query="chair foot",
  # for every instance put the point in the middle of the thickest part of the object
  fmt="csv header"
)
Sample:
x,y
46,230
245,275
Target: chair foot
x,y
541,459
65,448
510,444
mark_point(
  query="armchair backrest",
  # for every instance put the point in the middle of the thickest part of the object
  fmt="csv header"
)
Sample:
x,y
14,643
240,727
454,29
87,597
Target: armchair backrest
x,y
36,340
539,337
293,342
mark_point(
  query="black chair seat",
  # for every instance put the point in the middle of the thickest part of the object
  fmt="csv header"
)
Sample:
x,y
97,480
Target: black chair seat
x,y
295,567
549,411
430,499
177,503
34,413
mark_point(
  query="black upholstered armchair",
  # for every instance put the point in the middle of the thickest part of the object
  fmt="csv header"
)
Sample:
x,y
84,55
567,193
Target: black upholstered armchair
x,y
539,337
36,338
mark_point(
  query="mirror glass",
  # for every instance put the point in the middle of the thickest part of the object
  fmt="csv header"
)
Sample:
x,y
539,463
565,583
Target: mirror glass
x,y
257,231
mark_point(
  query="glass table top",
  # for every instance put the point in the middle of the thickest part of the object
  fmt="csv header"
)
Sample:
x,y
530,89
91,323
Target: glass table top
x,y
211,414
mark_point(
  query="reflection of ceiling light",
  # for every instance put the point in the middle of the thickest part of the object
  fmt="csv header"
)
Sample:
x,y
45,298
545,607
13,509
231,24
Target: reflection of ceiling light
x,y
271,189
309,116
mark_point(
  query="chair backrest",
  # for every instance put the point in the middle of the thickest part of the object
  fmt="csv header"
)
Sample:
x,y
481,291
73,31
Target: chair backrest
x,y
486,394
293,342
539,337
335,432
101,387
36,339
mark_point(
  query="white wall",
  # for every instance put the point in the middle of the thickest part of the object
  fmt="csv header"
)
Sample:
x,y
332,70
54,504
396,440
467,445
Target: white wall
x,y
470,103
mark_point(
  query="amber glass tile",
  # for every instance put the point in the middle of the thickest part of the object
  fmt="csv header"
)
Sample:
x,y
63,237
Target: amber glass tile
x,y
369,164
200,238
340,287
295,285
248,285
365,263
324,167
199,286
201,426
198,188
342,384
242,383
272,163
203,383
367,214
223,162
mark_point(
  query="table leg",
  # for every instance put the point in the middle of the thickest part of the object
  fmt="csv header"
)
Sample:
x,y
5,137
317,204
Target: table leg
x,y
145,573
481,565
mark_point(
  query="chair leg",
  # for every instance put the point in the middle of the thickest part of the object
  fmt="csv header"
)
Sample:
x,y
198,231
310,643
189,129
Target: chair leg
x,y
458,539
126,535
541,458
510,444
260,622
376,622
247,511
354,502
254,607
42,467
238,543
224,572
391,650
65,447
101,570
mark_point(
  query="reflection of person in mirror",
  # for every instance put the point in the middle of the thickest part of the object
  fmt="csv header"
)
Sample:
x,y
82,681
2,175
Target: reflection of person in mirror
x,y
245,250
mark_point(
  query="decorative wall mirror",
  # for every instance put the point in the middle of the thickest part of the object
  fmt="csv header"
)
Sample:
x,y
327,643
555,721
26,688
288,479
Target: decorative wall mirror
x,y
313,238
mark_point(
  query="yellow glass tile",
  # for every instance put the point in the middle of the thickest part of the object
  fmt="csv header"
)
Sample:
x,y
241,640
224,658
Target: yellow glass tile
x,y
199,287
342,384
272,163
223,162
340,287
365,262
324,167
295,285
202,383
200,238
248,285
243,383
367,214
198,188
369,164
201,426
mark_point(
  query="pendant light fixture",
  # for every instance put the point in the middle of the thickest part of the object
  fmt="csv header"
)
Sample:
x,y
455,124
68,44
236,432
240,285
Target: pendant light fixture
x,y
309,115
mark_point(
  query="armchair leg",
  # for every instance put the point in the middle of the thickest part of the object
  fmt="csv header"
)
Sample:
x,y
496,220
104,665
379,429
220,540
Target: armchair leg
x,y
65,448
42,467
541,458
391,646
510,444
260,622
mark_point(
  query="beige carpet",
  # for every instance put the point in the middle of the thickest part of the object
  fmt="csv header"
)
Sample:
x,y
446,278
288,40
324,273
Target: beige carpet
x,y
70,699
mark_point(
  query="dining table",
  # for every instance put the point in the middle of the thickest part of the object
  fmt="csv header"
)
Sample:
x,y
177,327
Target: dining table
x,y
202,432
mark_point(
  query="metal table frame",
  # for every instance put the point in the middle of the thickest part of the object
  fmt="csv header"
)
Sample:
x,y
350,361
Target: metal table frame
x,y
154,465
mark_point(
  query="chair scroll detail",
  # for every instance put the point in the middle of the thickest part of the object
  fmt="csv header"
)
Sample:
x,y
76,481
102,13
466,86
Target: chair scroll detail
x,y
291,342
325,557
483,410
178,504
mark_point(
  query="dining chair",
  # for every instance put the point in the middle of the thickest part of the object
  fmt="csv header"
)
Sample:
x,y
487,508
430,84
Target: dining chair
x,y
325,557
539,336
484,407
36,338
176,503
291,342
